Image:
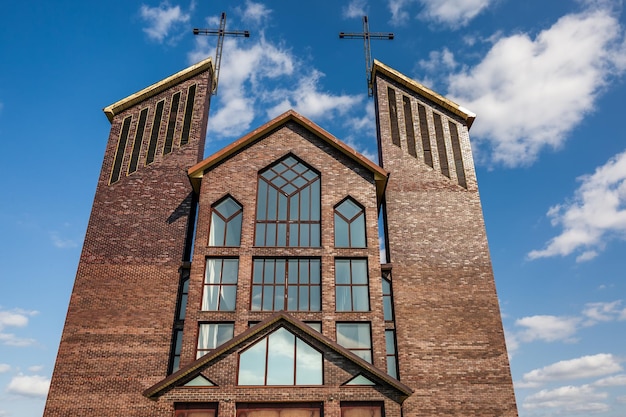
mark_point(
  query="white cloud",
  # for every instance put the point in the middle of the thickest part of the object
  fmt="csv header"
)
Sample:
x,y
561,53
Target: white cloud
x,y
62,243
356,8
571,399
10,339
596,213
607,311
255,12
4,368
35,368
399,15
161,20
547,328
15,318
452,12
29,386
583,367
611,381
529,93
438,61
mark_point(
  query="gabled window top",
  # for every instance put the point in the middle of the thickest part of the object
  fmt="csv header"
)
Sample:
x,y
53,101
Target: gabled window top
x,y
349,225
226,223
288,205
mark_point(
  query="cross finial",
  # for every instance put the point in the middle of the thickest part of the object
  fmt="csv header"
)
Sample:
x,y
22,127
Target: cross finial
x,y
221,32
367,35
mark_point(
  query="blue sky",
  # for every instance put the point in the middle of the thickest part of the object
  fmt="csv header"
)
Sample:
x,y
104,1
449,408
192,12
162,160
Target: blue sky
x,y
546,79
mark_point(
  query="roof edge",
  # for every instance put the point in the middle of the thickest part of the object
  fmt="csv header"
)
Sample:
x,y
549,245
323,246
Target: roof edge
x,y
420,88
164,84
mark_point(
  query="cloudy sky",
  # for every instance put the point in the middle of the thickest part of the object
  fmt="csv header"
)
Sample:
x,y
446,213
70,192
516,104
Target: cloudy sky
x,y
546,79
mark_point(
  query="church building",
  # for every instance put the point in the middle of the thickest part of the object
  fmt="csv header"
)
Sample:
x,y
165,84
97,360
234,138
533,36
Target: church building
x,y
251,283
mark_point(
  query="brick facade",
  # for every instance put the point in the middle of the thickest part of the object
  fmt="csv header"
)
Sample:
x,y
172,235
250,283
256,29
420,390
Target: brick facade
x,y
120,337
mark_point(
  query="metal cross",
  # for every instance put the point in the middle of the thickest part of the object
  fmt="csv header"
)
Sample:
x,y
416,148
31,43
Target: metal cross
x,y
221,32
367,35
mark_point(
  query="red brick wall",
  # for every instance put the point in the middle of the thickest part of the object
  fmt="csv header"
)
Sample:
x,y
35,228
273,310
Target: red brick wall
x,y
117,335
450,339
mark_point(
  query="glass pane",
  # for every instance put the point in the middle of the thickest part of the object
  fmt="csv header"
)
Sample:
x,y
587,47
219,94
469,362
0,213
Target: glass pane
x,y
228,207
257,275
357,232
293,270
280,271
259,239
305,204
230,272
280,358
315,200
282,207
282,235
268,273
360,301
292,300
342,271
349,209
252,365
256,297
210,297
308,364
304,272
316,325
315,235
216,236
390,343
315,271
341,232
228,297
386,286
279,299
224,333
359,271
304,235
387,311
270,237
303,302
294,206
293,235
354,335
289,175
233,231
272,199
289,189
279,182
364,354
261,204
268,298
183,307
315,298
391,366
213,271
343,298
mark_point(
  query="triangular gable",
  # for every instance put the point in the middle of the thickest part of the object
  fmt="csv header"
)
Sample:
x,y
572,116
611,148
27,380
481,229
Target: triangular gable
x,y
196,172
424,91
192,370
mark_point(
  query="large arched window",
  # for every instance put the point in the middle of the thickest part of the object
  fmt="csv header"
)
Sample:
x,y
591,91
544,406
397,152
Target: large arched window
x,y
349,225
288,205
280,358
226,223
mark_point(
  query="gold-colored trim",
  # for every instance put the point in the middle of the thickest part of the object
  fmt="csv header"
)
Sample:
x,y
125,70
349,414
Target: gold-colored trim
x,y
424,91
158,87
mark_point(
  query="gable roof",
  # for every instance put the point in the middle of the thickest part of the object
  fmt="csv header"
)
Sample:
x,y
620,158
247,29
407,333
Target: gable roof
x,y
196,172
156,88
465,114
194,368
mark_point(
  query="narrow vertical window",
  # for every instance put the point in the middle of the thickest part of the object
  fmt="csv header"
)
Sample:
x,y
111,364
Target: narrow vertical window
x,y
121,148
288,205
356,337
393,116
171,124
425,134
226,223
212,335
191,95
351,285
178,345
132,167
154,135
458,157
441,146
220,285
286,284
387,300
390,353
349,225
408,124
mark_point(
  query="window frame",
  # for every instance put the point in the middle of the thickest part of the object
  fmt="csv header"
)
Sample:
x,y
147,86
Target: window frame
x,y
219,284
352,286
267,224
355,350
226,220
349,222
205,350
